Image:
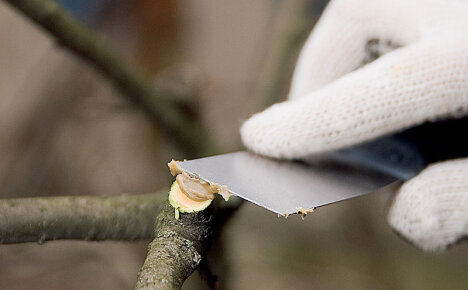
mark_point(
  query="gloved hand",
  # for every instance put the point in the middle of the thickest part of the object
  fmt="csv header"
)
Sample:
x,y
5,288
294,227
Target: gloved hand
x,y
337,100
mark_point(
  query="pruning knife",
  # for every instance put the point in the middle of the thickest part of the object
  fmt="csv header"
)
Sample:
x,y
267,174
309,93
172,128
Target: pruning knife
x,y
289,187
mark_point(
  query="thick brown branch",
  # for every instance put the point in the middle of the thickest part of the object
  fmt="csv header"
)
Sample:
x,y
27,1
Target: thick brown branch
x,y
177,248
134,85
180,244
40,219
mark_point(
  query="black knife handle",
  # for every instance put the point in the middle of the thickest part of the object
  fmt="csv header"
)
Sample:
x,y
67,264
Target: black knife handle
x,y
405,154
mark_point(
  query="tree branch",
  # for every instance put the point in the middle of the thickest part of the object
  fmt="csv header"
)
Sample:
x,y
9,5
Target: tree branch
x,y
180,245
132,84
177,248
94,218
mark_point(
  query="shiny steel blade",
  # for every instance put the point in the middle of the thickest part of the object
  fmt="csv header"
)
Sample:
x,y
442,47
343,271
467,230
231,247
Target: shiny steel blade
x,y
284,186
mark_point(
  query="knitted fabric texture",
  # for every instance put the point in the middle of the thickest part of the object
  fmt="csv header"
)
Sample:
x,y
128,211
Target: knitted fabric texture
x,y
335,102
431,210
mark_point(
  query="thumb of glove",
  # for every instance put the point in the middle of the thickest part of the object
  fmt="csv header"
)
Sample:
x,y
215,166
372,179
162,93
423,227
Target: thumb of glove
x,y
431,209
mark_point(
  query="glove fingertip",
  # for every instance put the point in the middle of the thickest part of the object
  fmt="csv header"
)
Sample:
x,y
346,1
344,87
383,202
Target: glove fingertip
x,y
430,209
406,216
253,134
274,132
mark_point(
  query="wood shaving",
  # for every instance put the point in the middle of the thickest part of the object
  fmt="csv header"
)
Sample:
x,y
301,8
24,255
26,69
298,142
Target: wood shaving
x,y
304,211
221,190
196,188
174,168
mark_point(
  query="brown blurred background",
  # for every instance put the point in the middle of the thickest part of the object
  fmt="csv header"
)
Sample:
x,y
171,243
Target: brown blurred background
x,y
65,131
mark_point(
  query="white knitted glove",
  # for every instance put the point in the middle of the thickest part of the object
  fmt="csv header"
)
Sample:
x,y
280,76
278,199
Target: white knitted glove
x,y
334,102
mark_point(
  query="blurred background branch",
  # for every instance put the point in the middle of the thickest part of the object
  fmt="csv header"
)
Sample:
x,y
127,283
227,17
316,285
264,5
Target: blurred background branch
x,y
297,17
184,132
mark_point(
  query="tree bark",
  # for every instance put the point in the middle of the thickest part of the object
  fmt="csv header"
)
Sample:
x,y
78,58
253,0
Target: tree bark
x,y
180,245
177,249
92,218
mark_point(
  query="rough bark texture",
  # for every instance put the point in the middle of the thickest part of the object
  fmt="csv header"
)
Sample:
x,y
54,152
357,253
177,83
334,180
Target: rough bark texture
x,y
177,249
135,86
40,219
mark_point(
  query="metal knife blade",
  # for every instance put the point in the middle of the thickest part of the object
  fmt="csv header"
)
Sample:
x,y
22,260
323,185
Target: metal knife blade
x,y
285,186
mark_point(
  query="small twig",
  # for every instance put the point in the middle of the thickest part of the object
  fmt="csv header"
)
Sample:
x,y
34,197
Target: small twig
x,y
94,218
185,132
